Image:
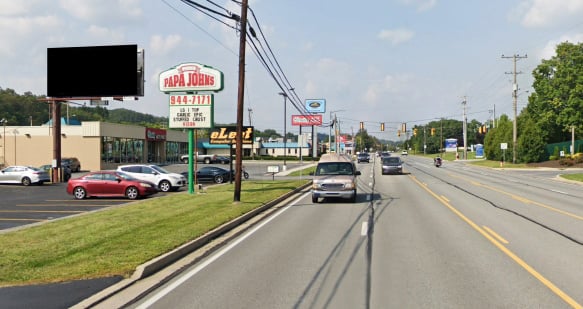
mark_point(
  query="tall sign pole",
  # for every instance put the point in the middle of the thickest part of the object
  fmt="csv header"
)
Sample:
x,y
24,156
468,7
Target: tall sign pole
x,y
240,98
190,107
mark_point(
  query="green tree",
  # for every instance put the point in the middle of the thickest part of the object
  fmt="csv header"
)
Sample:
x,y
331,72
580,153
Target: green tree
x,y
531,141
557,103
495,137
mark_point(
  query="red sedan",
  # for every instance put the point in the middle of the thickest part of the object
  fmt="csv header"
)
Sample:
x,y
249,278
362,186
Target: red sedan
x,y
110,184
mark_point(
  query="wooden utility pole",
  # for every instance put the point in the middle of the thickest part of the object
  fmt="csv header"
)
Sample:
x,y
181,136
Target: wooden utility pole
x,y
240,98
514,58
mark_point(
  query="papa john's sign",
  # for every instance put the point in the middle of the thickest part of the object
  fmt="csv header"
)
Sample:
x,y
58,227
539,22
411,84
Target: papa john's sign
x,y
191,77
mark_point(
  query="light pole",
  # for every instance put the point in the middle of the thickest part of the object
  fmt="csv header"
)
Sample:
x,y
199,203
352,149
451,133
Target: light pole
x,y
3,120
332,122
15,132
284,129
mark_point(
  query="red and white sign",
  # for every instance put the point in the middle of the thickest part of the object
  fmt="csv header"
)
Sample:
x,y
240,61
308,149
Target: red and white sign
x,y
306,120
191,77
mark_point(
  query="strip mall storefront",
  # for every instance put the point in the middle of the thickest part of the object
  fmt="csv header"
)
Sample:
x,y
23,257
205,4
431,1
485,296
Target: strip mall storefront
x,y
98,145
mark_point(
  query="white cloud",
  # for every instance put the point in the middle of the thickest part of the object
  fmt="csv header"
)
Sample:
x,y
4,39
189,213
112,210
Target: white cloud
x,y
105,34
103,10
396,36
388,85
164,44
544,13
422,5
550,48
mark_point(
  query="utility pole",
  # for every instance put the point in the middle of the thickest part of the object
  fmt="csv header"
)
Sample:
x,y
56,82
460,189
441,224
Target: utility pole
x,y
250,111
514,58
240,98
465,125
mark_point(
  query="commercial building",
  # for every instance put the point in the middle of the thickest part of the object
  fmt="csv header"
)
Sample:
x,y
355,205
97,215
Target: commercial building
x,y
102,145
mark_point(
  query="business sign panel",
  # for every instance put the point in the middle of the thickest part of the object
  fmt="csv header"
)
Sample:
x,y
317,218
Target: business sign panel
x,y
193,111
316,106
191,77
306,120
228,135
451,145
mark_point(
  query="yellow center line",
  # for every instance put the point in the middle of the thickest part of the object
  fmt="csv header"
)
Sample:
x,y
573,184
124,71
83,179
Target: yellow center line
x,y
523,199
63,205
41,211
500,238
500,246
15,219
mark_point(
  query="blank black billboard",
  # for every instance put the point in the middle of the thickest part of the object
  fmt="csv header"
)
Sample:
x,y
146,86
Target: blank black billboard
x,y
93,71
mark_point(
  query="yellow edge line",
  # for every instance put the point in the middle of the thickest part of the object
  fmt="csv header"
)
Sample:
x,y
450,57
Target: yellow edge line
x,y
35,220
41,211
509,253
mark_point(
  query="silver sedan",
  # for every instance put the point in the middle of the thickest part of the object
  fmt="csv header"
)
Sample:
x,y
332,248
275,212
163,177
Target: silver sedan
x,y
26,175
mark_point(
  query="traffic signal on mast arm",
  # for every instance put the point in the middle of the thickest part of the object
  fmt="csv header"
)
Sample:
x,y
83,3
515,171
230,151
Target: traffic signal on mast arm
x,y
362,125
382,126
432,131
399,133
415,132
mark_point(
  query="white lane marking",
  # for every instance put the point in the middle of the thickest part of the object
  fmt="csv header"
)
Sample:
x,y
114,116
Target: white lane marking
x,y
156,297
364,229
561,192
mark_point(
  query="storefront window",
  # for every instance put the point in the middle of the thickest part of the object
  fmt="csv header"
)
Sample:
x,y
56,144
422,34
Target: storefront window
x,y
121,150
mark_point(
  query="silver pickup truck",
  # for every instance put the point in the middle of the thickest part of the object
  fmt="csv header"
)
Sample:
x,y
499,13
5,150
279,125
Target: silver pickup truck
x,y
207,159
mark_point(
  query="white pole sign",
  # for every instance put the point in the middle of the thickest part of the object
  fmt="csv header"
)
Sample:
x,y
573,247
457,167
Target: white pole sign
x,y
193,111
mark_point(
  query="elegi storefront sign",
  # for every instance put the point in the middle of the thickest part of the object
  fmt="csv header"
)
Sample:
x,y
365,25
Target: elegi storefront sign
x,y
188,107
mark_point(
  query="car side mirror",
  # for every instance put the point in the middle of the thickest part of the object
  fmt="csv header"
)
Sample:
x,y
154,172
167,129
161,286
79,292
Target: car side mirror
x,y
311,173
118,180
357,173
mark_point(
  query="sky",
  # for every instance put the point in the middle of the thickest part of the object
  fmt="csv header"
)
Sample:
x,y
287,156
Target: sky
x,y
375,61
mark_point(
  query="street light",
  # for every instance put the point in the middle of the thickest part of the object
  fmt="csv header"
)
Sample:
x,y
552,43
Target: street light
x,y
3,120
284,129
332,122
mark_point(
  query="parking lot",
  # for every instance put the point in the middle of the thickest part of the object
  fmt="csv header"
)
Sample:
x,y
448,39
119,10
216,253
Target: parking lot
x,y
22,206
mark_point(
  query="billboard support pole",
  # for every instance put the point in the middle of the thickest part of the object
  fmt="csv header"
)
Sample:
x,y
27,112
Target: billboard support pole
x,y
190,162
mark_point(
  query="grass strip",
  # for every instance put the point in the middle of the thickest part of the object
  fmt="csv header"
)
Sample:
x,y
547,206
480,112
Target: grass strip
x,y
116,240
575,177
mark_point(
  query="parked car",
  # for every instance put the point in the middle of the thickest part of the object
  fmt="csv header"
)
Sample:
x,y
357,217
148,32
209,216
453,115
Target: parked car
x,y
392,165
73,163
66,170
212,173
165,180
223,160
25,175
110,184
363,157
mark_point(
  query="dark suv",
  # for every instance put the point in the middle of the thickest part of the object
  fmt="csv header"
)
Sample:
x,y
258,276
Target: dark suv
x,y
72,163
363,157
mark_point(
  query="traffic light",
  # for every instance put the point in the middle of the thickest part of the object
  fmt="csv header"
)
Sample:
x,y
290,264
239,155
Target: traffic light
x,y
382,126
480,130
432,131
415,132
362,125
398,132
404,127
484,129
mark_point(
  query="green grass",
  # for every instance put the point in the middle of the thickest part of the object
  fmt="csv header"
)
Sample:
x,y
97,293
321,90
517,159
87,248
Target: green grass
x,y
305,171
575,177
118,239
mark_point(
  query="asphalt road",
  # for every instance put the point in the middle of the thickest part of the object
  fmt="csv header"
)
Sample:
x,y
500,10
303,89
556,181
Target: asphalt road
x,y
454,237
450,237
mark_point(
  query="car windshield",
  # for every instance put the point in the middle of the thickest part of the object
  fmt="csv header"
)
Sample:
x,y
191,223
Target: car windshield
x,y
391,160
334,168
159,169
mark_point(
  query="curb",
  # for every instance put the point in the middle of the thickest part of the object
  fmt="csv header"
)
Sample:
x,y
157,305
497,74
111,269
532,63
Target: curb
x,y
159,263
